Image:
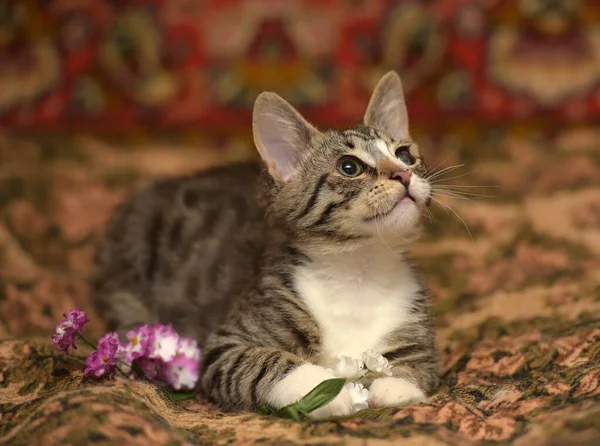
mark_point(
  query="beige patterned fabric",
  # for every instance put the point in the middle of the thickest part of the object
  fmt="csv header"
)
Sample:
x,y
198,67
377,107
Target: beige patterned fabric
x,y
517,308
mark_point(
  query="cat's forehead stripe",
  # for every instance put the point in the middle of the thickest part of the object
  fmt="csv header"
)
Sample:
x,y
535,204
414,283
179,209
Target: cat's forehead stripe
x,y
368,158
358,135
382,147
378,150
373,145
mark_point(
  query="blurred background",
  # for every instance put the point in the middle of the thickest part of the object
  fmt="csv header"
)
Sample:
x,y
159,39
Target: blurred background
x,y
97,96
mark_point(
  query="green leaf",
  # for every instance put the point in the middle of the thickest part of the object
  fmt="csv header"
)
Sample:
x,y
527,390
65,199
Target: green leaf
x,y
265,409
179,396
321,395
290,412
318,397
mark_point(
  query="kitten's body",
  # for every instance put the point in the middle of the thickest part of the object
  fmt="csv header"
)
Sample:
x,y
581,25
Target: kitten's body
x,y
181,250
277,274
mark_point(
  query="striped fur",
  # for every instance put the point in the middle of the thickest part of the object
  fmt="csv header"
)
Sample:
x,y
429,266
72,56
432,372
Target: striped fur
x,y
278,270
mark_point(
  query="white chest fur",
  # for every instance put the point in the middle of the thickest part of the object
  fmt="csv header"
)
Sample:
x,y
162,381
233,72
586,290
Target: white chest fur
x,y
357,300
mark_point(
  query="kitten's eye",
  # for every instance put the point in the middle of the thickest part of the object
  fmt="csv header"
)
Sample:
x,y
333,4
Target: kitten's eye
x,y
403,155
350,167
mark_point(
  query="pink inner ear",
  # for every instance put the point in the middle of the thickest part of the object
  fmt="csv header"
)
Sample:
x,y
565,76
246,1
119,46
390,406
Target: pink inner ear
x,y
281,135
392,117
396,118
387,110
280,154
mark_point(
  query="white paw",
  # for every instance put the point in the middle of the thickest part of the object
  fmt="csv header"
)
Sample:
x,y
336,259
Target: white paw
x,y
394,392
301,381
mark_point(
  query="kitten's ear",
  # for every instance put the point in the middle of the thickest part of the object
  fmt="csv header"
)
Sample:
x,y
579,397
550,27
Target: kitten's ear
x,y
281,135
387,110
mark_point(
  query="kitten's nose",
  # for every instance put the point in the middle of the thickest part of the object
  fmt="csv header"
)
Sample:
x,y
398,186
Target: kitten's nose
x,y
403,176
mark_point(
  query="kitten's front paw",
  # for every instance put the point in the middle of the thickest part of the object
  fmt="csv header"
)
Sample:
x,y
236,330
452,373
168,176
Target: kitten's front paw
x,y
394,392
301,381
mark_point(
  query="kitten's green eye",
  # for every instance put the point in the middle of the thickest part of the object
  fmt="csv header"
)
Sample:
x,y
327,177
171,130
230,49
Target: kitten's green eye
x,y
403,155
350,167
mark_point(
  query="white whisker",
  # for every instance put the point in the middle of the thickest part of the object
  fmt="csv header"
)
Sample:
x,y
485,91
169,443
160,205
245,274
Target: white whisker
x,y
383,239
467,185
455,213
436,165
458,197
451,178
441,172
431,218
461,192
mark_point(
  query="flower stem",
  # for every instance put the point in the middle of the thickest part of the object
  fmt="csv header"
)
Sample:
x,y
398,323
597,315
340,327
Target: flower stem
x,y
87,341
122,362
121,371
84,339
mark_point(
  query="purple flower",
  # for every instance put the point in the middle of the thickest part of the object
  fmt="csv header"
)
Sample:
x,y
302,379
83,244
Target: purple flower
x,y
102,360
69,329
157,352
150,367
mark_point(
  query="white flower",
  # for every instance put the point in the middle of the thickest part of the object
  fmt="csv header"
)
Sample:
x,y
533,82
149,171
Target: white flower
x,y
359,395
377,363
181,372
349,368
165,343
123,357
188,347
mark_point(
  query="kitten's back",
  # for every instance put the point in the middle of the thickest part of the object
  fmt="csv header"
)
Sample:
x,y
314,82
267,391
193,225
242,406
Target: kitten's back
x,y
180,249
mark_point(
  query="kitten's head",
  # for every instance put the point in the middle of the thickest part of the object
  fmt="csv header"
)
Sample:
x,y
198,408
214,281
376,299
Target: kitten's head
x,y
343,186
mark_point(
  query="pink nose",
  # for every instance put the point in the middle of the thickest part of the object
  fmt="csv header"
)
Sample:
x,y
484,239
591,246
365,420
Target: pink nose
x,y
403,176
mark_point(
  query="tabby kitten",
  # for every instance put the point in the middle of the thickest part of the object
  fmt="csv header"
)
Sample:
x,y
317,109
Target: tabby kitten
x,y
279,271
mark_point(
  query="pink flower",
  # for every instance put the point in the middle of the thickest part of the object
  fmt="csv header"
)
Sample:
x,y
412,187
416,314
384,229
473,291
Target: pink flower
x,y
149,367
156,352
183,370
102,360
160,354
140,341
69,329
188,347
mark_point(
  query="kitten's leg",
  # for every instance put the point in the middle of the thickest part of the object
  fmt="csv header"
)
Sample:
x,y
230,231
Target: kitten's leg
x,y
302,380
414,370
395,391
240,377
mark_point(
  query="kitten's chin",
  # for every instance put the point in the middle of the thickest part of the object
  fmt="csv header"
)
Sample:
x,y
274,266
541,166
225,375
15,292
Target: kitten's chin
x,y
395,231
399,231
404,218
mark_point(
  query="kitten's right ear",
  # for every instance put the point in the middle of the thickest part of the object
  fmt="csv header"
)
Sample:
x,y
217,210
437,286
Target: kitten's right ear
x,y
281,135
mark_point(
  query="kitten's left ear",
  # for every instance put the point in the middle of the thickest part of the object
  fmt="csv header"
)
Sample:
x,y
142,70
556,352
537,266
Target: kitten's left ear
x,y
387,110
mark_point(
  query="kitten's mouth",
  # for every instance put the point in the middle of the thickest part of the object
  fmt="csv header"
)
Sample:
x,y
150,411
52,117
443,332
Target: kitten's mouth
x,y
403,199
407,196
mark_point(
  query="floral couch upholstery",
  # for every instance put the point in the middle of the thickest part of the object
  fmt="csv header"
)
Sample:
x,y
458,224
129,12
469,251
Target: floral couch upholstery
x,y
517,308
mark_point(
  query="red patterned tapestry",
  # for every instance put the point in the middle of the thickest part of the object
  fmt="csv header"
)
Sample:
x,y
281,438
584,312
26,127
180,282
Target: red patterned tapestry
x,y
172,64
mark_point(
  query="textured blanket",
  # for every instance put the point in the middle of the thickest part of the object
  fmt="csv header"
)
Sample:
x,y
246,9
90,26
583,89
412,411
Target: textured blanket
x,y
517,307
